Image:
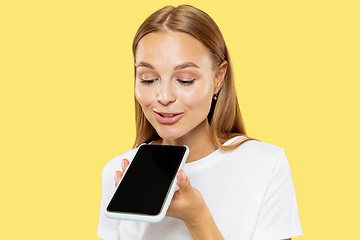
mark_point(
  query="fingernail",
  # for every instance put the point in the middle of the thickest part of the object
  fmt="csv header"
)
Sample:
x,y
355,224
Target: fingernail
x,y
115,177
183,176
122,164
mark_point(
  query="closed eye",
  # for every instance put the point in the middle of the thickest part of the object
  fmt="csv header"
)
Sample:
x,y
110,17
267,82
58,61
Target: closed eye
x,y
148,81
186,82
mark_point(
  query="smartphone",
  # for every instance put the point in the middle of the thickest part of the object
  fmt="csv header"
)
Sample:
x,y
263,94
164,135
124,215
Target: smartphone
x,y
145,191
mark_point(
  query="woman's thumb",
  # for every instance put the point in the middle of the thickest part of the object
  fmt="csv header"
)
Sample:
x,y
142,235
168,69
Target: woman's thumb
x,y
183,181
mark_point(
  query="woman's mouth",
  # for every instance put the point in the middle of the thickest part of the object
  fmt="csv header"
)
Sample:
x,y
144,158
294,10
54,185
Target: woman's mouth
x,y
168,118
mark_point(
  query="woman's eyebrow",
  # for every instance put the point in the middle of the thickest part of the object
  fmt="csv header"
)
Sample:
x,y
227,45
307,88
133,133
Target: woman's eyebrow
x,y
144,64
178,67
186,65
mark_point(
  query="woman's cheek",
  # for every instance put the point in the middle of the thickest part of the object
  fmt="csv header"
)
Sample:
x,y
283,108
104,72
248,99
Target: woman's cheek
x,y
197,97
142,96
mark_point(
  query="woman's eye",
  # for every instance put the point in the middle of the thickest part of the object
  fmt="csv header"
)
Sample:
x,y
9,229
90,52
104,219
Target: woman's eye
x,y
148,81
186,82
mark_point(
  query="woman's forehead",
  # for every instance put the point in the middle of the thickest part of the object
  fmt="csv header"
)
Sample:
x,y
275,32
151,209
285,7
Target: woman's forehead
x,y
171,46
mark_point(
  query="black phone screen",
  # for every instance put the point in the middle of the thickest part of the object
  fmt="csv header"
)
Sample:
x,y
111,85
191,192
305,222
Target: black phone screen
x,y
146,183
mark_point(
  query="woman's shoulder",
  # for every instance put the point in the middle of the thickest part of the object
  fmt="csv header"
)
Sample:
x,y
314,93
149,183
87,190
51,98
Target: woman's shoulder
x,y
252,144
257,158
256,149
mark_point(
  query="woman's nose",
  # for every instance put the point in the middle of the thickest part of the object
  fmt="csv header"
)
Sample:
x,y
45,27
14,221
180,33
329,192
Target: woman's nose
x,y
165,94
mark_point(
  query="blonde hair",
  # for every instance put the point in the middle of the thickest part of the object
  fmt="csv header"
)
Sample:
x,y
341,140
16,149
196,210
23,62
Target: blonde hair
x,y
224,117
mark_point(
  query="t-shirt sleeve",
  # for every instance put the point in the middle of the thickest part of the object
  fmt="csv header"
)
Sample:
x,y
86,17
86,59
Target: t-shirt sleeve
x,y
108,228
279,215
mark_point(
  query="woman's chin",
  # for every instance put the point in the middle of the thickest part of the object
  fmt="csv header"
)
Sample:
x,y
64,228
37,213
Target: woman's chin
x,y
169,136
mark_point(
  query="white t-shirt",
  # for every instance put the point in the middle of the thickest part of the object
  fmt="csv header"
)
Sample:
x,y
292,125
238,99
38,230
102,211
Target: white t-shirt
x,y
249,192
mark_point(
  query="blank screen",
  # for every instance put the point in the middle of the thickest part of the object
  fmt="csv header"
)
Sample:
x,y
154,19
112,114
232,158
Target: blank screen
x,y
145,185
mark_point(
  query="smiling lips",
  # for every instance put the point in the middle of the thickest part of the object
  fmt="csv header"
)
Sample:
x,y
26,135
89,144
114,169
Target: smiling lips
x,y
168,118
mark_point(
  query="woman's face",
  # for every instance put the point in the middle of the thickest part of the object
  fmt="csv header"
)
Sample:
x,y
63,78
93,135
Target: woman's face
x,y
175,83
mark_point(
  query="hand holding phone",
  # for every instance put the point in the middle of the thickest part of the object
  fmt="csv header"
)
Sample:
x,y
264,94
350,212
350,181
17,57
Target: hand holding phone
x,y
148,184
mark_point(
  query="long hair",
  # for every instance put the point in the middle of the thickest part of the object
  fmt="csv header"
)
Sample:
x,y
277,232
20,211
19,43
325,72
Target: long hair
x,y
224,117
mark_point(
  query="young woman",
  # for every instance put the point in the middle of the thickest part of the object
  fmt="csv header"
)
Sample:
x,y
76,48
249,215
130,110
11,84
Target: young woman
x,y
232,187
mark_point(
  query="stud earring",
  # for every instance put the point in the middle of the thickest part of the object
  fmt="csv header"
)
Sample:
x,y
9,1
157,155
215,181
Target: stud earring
x,y
215,96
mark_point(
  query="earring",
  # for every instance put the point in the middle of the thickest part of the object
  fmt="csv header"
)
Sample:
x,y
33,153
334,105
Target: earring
x,y
215,96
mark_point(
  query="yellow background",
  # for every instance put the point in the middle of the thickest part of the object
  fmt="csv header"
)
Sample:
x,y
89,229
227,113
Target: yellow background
x,y
67,104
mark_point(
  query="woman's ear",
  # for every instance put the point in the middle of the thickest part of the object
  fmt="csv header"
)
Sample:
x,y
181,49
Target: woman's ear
x,y
220,75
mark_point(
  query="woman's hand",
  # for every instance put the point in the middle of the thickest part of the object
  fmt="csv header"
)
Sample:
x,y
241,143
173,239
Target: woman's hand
x,y
188,205
119,174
